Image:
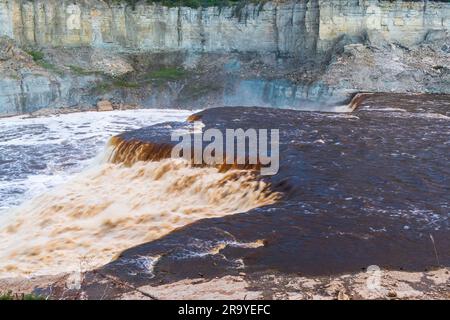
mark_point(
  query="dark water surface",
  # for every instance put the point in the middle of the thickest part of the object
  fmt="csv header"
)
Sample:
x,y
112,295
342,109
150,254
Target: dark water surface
x,y
360,189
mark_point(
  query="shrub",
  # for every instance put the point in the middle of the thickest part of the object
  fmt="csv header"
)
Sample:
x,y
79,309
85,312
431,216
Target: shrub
x,y
167,74
36,55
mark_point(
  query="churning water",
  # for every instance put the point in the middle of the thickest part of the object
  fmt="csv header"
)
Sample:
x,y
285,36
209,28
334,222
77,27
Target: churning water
x,y
370,187
38,153
88,217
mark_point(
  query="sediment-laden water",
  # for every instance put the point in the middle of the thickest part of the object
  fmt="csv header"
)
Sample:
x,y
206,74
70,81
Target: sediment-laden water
x,y
110,208
82,220
38,153
353,190
366,188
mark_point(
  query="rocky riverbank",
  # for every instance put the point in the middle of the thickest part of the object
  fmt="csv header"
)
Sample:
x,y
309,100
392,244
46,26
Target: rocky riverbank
x,y
382,285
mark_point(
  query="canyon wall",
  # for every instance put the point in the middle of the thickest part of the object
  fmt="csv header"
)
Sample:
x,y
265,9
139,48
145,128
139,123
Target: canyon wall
x,y
287,35
291,27
406,22
269,27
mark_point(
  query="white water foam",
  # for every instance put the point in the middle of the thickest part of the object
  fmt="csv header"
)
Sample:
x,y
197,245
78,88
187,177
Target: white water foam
x,y
111,207
37,154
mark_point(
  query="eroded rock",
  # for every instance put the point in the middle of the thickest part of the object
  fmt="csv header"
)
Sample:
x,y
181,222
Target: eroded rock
x,y
104,105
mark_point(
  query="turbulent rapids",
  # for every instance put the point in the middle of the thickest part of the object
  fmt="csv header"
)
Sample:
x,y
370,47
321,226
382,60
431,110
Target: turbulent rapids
x,y
112,207
353,190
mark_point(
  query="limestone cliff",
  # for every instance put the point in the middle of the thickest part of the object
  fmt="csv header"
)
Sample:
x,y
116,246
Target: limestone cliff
x,y
288,36
290,27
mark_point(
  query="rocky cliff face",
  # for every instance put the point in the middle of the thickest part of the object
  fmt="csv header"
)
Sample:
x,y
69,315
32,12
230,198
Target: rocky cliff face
x,y
297,37
288,27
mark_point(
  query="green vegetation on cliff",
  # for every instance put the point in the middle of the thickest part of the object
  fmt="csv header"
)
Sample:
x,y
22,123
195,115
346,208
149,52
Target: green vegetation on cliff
x,y
167,74
40,60
37,56
158,76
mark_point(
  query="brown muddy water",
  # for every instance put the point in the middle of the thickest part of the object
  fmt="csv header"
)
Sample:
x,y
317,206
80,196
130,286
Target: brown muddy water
x,y
370,187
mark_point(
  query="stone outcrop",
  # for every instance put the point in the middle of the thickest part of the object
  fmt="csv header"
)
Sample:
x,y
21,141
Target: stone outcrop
x,y
104,105
28,84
